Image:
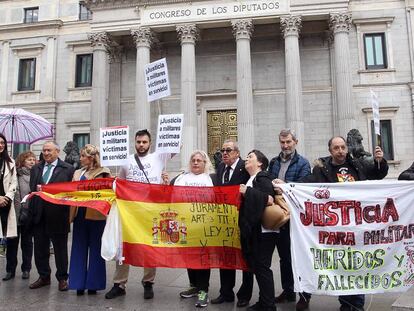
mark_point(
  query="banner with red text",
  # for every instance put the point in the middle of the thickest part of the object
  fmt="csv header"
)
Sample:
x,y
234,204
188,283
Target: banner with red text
x,y
179,227
94,193
352,238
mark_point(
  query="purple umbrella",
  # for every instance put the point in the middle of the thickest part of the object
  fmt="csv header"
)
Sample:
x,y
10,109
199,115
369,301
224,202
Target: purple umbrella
x,y
23,127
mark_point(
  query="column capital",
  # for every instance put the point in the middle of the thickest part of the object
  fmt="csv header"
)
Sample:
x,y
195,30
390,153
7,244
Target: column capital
x,y
340,22
143,36
242,28
115,53
291,25
187,33
99,39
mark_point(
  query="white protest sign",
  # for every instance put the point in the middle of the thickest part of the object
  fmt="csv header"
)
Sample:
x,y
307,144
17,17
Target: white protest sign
x,y
352,238
375,112
114,146
169,133
156,80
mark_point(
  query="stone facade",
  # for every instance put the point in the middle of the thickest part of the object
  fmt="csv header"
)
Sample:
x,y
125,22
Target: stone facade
x,y
303,67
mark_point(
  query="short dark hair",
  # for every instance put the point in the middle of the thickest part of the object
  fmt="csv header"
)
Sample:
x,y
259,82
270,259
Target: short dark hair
x,y
261,158
332,138
142,133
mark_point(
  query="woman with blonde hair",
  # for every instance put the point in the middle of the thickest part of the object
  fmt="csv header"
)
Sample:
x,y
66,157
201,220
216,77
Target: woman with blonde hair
x,y
24,163
87,267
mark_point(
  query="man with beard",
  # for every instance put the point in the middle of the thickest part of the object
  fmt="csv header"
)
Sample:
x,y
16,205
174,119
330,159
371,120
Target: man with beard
x,y
288,166
341,167
142,167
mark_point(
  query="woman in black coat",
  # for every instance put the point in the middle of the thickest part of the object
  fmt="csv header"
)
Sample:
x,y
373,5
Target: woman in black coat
x,y
258,243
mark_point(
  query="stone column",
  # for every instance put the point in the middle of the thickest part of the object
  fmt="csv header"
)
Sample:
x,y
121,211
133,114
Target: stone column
x,y
99,101
114,92
242,30
143,38
4,71
51,69
291,26
187,34
340,24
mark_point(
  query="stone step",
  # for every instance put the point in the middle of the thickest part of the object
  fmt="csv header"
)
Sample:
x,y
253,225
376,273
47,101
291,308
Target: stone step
x,y
405,302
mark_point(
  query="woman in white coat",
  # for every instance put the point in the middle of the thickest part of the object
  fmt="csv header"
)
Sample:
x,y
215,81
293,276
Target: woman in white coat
x,y
8,184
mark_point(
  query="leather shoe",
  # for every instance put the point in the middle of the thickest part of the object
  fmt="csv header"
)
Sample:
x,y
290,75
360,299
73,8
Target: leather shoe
x,y
8,276
63,285
286,296
25,275
220,299
40,283
148,291
242,303
115,291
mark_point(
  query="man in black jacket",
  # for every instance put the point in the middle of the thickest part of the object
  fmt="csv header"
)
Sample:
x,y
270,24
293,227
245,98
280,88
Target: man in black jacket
x,y
50,221
232,172
340,167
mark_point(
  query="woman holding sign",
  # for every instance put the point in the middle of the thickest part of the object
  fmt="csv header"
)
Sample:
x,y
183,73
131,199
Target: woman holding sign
x,y
257,242
200,167
87,267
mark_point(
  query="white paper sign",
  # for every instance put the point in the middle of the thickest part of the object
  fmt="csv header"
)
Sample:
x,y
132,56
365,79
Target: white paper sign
x,y
156,80
375,112
352,238
114,146
169,133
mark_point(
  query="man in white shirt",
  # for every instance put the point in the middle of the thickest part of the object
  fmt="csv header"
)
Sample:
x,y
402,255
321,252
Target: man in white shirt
x,y
142,167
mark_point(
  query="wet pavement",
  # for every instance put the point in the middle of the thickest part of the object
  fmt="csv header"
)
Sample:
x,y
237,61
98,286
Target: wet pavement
x,y
16,295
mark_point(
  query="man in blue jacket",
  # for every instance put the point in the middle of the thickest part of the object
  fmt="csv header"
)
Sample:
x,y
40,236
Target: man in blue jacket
x,y
288,166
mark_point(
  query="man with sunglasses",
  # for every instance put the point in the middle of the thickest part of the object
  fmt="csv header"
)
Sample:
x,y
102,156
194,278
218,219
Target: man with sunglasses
x,y
231,171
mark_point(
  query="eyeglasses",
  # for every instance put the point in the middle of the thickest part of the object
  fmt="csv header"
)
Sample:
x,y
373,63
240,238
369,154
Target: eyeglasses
x,y
228,150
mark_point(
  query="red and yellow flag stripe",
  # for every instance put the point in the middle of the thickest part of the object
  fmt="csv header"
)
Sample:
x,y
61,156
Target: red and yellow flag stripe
x,y
180,227
96,193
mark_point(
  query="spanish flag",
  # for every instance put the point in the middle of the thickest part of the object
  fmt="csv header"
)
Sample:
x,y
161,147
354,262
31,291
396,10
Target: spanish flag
x,y
180,227
94,193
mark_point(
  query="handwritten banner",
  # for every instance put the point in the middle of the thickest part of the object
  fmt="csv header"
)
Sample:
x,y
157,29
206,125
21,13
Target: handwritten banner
x,y
180,227
352,238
